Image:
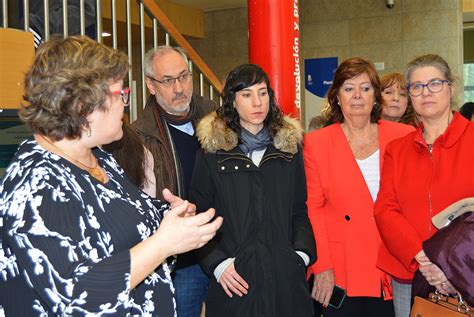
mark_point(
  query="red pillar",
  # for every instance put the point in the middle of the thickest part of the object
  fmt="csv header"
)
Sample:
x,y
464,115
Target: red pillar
x,y
274,46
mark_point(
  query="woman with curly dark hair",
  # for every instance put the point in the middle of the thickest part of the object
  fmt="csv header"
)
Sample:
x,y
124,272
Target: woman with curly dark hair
x,y
251,171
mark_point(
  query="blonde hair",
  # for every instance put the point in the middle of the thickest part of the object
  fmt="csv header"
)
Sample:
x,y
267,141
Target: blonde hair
x,y
436,61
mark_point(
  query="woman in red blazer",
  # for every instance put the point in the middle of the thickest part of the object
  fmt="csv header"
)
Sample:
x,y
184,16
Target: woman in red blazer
x,y
342,164
424,172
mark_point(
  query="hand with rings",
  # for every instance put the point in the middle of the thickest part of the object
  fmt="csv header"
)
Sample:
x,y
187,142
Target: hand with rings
x,y
433,274
446,288
437,278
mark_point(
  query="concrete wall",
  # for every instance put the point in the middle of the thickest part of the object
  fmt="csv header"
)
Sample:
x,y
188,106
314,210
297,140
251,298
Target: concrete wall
x,y
346,28
225,43
394,36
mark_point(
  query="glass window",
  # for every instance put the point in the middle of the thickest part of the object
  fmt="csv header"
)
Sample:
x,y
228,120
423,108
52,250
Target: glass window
x,y
469,82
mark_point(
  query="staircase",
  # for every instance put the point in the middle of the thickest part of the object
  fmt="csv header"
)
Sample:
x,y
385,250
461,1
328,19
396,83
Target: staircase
x,y
136,26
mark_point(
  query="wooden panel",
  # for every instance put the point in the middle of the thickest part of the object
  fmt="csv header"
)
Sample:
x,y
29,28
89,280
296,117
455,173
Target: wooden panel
x,y
16,55
467,6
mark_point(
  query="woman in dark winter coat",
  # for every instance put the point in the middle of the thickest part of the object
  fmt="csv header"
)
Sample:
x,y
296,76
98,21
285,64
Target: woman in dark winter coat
x,y
251,170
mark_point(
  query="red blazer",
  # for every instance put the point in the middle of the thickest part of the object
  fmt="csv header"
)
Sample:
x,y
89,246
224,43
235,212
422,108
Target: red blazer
x,y
340,208
415,186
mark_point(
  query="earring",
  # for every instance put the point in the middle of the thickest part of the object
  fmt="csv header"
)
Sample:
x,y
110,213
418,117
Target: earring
x,y
89,132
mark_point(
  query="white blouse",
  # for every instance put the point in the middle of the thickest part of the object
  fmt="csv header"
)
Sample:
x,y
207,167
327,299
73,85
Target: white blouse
x,y
370,168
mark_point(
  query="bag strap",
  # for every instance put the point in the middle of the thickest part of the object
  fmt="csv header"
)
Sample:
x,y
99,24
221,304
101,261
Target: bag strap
x,y
463,307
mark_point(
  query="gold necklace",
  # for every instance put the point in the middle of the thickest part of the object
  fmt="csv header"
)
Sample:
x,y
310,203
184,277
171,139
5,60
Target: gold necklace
x,y
94,171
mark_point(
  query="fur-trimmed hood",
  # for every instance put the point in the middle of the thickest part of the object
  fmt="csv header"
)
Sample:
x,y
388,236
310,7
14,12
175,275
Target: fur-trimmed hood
x,y
214,134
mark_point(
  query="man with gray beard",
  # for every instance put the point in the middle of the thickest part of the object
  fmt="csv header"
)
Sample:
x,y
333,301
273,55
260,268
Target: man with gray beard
x,y
167,130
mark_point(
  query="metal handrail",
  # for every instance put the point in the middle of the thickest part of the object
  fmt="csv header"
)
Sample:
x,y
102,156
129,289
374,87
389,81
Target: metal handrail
x,y
160,23
183,43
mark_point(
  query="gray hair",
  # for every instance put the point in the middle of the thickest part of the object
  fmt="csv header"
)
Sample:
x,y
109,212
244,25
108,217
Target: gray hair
x,y
432,60
160,50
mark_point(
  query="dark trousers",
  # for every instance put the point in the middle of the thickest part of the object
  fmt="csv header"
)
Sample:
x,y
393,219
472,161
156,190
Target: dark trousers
x,y
191,285
361,307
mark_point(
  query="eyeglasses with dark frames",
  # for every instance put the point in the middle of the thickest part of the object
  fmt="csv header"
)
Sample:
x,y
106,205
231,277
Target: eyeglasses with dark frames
x,y
434,86
169,81
124,94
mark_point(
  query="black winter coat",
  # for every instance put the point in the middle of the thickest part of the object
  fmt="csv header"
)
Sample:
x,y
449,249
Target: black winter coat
x,y
265,222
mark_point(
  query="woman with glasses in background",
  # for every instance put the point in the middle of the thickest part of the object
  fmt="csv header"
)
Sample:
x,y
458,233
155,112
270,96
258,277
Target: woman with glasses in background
x,y
77,237
423,173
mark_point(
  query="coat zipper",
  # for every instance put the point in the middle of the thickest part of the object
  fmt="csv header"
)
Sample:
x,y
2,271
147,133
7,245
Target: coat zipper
x,y
430,148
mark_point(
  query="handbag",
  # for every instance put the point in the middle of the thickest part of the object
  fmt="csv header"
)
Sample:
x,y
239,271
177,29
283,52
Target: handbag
x,y
439,305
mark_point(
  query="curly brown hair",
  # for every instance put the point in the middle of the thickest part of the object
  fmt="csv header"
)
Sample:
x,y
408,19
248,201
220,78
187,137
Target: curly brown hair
x,y
68,81
348,69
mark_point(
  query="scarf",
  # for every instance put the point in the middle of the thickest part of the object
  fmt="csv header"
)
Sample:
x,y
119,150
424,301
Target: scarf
x,y
173,119
167,159
254,142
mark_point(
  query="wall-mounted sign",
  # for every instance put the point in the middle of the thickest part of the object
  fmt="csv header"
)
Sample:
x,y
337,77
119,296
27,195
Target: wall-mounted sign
x,y
319,73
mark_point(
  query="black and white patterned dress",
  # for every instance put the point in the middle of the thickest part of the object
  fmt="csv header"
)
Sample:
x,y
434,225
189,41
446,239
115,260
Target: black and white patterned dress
x,y
65,240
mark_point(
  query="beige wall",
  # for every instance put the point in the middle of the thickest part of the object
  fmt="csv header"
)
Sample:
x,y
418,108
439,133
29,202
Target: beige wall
x,y
346,28
394,36
225,43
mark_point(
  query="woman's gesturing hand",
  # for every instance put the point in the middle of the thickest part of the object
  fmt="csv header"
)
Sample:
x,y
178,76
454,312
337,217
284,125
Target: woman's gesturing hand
x,y
323,287
175,201
181,230
231,281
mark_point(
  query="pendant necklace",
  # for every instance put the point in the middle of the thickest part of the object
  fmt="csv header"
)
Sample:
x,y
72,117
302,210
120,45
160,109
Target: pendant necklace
x,y
94,171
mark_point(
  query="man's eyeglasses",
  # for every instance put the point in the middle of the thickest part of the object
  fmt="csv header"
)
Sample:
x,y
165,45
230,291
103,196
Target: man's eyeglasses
x,y
124,94
434,86
169,81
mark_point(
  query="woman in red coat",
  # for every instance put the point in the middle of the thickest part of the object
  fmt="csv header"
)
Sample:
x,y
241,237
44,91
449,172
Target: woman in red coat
x,y
424,172
342,164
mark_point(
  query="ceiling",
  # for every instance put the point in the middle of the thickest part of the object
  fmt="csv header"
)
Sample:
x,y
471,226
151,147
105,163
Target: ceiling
x,y
211,5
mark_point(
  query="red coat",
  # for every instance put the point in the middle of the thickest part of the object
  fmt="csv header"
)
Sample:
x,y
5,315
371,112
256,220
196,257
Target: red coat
x,y
340,208
416,185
